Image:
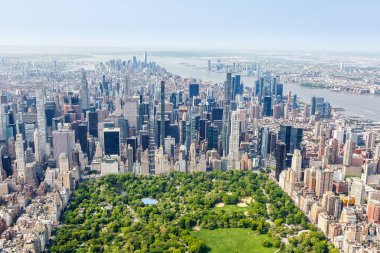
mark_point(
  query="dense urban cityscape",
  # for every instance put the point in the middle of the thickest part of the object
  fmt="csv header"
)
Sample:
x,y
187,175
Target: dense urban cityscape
x,y
62,127
189,126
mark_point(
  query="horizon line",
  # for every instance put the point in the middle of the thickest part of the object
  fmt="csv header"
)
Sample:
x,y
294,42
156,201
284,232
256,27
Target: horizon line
x,y
188,49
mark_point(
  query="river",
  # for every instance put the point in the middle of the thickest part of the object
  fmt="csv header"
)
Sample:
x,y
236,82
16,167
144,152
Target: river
x,y
367,106
193,64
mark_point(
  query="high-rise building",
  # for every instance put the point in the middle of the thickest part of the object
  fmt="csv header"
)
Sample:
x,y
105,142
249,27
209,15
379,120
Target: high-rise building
x,y
357,191
373,207
93,123
296,135
267,106
324,182
29,156
373,211
289,102
294,102
233,152
81,137
41,121
332,204
131,112
348,151
321,147
297,164
284,136
30,174
2,122
228,88
261,89
279,91
277,111
310,179
130,158
376,154
274,86
162,102
318,105
193,90
64,164
63,142
20,157
370,138
111,139
280,159
212,137
151,126
237,87
334,151
263,142
226,127
84,90
145,59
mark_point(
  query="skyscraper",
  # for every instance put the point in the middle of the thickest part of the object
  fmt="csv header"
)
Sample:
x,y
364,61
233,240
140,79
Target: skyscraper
x,y
84,90
81,137
145,59
226,128
111,141
284,136
321,148
193,90
334,151
263,142
41,121
324,182
370,138
151,124
63,142
313,105
93,124
212,137
20,157
64,165
162,135
348,150
228,88
297,164
233,152
267,106
280,159
237,87
295,139
318,105
2,122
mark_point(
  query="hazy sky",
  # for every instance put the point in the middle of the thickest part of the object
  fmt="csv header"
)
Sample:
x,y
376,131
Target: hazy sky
x,y
350,25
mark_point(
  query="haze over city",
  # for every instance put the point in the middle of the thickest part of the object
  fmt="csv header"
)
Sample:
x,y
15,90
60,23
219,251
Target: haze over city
x,y
215,24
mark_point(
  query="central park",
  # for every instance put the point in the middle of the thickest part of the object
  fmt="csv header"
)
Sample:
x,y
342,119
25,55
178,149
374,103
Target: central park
x,y
232,211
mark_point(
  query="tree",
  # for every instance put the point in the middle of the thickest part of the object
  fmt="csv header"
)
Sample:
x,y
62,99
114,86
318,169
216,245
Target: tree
x,y
267,244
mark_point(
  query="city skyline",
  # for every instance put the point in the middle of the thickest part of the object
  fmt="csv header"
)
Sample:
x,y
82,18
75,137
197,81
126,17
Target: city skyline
x,y
189,127
251,25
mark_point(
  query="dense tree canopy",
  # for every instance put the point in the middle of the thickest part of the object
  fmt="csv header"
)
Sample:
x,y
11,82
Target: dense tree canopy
x,y
108,215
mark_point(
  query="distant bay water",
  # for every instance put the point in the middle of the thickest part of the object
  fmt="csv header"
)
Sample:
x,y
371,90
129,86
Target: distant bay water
x,y
194,64
367,106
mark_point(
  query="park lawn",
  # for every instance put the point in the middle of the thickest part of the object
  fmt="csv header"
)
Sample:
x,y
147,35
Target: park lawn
x,y
233,240
233,208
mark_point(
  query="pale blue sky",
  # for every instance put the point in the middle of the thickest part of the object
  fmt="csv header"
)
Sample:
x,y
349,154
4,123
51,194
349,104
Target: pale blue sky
x,y
349,25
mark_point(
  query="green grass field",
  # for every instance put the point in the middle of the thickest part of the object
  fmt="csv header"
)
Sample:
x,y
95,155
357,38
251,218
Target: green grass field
x,y
233,208
233,240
